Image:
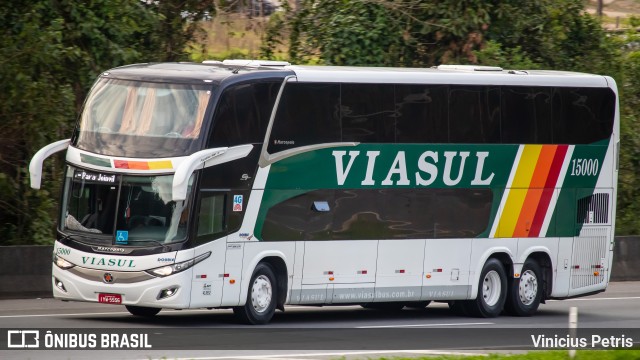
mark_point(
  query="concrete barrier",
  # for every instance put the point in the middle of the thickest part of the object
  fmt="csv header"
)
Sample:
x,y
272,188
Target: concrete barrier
x,y
626,259
25,271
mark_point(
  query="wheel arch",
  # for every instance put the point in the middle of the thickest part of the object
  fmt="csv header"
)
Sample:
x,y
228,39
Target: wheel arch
x,y
275,259
502,254
544,260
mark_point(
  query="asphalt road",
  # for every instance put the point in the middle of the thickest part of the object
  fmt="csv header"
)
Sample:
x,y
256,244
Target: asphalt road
x,y
324,332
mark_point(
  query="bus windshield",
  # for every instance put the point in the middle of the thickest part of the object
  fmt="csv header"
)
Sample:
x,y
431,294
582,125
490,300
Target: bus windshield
x,y
123,210
167,116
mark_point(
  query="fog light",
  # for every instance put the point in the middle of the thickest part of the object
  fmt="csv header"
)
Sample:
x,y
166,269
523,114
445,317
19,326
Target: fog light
x,y
59,284
168,292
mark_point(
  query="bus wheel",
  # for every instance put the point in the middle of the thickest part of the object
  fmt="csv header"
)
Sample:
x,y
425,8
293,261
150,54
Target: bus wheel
x,y
525,293
492,291
142,311
261,297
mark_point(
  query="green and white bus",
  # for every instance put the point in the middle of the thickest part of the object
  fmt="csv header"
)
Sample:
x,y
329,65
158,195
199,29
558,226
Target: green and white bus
x,y
257,184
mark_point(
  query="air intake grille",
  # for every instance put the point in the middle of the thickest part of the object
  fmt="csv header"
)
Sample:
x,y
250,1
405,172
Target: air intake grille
x,y
593,209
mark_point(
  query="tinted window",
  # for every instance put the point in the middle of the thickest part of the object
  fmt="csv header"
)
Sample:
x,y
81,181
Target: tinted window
x,y
421,113
367,113
220,213
242,114
380,214
474,114
582,115
526,115
211,214
307,114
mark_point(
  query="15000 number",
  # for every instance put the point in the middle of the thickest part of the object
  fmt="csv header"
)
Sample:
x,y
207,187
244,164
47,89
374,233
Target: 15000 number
x,y
584,167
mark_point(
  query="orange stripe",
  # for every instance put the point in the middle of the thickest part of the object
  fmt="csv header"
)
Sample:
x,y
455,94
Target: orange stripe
x,y
518,191
532,199
138,165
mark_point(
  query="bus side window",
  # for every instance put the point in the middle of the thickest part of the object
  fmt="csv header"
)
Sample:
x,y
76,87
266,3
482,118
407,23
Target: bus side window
x,y
242,114
307,114
211,216
526,115
367,113
474,114
582,115
421,114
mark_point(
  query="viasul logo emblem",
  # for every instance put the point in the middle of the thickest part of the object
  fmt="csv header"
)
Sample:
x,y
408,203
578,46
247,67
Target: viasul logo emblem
x,y
108,278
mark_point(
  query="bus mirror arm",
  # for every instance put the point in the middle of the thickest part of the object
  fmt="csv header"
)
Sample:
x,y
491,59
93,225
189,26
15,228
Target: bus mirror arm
x,y
201,159
35,166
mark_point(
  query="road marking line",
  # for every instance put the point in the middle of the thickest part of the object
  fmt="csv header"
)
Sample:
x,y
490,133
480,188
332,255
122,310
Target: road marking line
x,y
423,325
102,313
597,299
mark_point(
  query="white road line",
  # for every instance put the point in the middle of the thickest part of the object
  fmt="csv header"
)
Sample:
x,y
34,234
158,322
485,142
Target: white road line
x,y
185,311
100,313
422,325
598,299
344,353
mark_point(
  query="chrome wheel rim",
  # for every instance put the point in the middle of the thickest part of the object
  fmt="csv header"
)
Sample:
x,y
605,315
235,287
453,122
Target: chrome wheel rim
x,y
528,287
261,293
491,288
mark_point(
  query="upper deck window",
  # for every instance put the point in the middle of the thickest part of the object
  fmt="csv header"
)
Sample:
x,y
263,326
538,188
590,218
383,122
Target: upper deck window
x,y
160,119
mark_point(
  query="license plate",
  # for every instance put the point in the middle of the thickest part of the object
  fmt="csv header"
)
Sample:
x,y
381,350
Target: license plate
x,y
110,298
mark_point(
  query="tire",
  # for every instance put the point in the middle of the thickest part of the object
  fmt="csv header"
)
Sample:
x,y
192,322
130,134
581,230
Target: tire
x,y
524,294
261,297
417,304
142,310
492,291
384,306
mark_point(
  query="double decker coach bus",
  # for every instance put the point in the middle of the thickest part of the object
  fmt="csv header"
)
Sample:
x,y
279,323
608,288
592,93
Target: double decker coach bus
x,y
253,184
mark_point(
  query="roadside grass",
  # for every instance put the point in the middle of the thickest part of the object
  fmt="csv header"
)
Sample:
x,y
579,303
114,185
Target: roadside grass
x,y
541,355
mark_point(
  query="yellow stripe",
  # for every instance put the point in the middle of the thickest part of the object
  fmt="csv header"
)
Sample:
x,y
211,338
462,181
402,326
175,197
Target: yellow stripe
x,y
518,192
160,165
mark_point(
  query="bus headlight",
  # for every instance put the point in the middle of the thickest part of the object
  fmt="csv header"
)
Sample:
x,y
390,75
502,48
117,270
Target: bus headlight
x,y
179,267
62,263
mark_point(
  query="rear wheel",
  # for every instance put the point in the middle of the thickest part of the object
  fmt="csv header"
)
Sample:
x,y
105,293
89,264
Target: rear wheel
x,y
142,310
525,293
261,297
492,291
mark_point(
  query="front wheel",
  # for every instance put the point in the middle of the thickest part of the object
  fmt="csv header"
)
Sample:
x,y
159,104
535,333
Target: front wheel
x,y
261,297
492,291
142,310
525,293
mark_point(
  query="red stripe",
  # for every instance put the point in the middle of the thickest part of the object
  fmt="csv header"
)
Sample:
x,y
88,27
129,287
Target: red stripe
x,y
547,193
121,164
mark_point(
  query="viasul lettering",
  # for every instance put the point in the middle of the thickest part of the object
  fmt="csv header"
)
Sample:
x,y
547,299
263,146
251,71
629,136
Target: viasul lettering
x,y
429,167
100,261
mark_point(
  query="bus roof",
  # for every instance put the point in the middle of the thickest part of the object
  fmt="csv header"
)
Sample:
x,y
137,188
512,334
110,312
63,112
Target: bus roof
x,y
192,72
217,72
471,75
